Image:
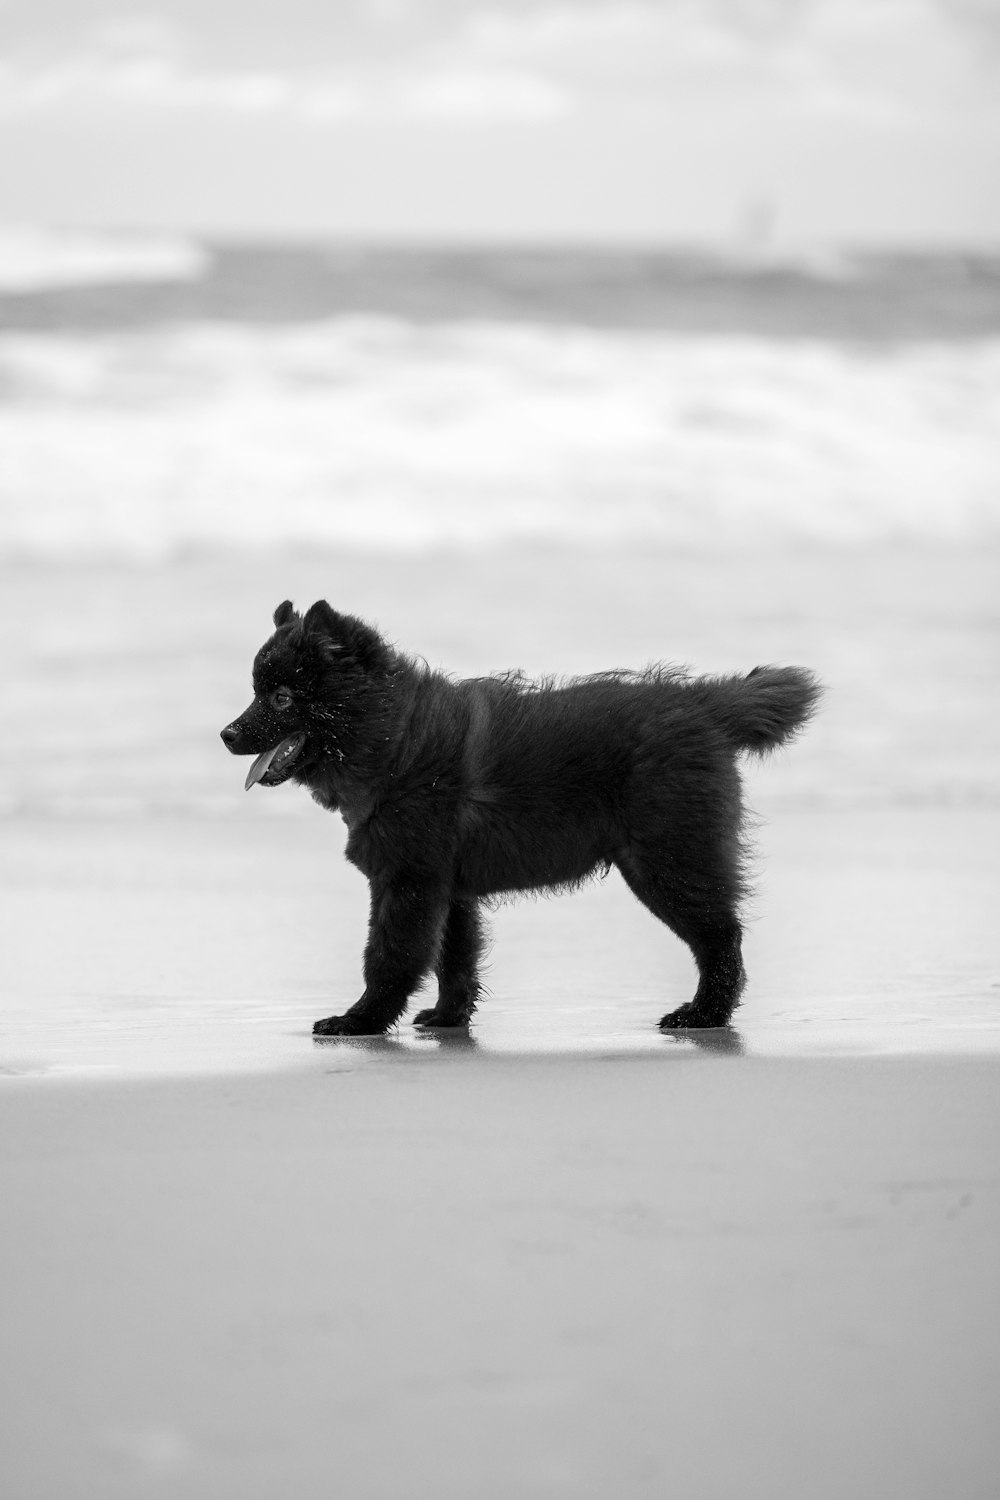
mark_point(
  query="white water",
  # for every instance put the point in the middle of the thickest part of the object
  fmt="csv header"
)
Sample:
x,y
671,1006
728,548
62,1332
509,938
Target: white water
x,y
33,258
372,431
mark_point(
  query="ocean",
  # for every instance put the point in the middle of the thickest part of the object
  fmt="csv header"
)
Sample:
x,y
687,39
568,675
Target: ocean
x,y
561,460
335,396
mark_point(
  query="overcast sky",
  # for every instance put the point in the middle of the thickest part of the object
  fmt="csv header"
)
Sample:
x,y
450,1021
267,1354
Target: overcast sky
x,y
625,119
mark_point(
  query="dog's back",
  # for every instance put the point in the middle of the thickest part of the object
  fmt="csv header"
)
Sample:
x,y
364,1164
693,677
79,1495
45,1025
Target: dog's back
x,y
561,780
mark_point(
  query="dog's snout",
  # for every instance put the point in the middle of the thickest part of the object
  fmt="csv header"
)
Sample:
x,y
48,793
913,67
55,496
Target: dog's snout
x,y
230,735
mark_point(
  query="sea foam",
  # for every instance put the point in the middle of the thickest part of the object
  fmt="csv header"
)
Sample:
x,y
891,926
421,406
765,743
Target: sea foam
x,y
364,431
33,259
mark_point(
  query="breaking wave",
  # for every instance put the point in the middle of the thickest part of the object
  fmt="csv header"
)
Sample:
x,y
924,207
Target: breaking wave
x,y
380,432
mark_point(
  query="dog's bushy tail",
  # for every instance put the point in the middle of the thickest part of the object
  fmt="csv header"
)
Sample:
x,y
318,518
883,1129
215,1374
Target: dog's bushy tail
x,y
764,709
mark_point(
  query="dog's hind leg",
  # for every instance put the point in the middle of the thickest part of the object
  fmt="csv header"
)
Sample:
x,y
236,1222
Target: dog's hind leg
x,y
717,949
457,967
404,937
702,911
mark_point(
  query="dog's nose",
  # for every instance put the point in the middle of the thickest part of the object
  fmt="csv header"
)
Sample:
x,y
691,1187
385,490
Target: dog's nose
x,y
230,735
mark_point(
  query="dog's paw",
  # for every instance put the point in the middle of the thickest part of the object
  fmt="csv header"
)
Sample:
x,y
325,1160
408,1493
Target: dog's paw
x,y
441,1020
343,1026
691,1017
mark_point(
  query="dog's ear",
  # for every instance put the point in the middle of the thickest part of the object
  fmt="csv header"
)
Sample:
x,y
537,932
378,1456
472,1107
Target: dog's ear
x,y
320,619
285,613
327,628
356,643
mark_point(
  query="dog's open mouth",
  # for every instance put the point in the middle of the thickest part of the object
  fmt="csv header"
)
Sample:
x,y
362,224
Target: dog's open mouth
x,y
274,765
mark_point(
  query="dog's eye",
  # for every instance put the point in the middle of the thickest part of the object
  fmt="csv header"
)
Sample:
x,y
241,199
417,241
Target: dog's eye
x,y
281,698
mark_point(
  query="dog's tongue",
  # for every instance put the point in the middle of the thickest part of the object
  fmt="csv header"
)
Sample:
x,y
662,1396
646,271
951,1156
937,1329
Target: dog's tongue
x,y
261,764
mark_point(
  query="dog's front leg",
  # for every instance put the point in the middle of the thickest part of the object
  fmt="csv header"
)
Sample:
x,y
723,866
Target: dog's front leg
x,y
404,935
458,963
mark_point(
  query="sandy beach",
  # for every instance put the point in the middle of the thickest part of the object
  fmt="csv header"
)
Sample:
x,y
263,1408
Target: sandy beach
x,y
459,1275
568,1256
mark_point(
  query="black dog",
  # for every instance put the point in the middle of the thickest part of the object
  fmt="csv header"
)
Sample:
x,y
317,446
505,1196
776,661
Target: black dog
x,y
453,792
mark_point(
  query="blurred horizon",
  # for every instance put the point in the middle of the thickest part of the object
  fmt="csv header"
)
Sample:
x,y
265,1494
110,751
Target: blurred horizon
x,y
941,240
41,259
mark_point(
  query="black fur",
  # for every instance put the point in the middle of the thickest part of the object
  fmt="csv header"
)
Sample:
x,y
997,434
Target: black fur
x,y
455,792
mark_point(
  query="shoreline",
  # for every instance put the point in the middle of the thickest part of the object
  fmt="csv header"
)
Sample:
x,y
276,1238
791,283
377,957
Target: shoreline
x,y
171,946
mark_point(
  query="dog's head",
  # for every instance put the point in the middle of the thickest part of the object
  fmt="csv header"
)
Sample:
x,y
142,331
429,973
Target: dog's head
x,y
304,678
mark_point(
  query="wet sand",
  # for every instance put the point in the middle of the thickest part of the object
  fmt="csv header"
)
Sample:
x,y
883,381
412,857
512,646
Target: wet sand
x,y
182,946
567,1257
